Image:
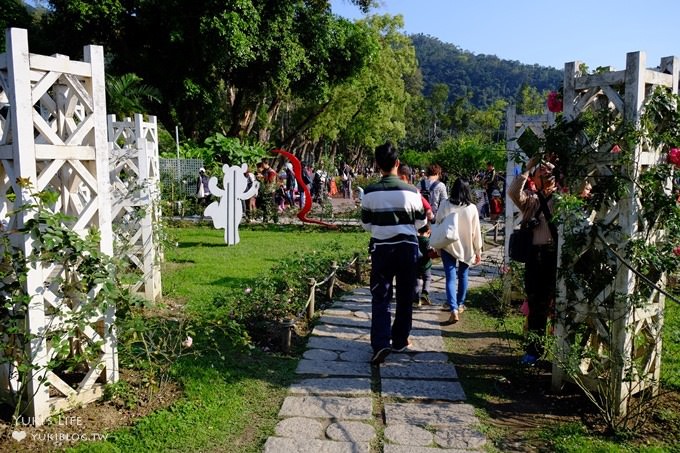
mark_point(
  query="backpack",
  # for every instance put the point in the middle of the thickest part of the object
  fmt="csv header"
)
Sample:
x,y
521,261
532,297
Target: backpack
x,y
424,191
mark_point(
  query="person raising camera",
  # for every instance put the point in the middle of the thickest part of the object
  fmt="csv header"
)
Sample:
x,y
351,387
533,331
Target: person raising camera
x,y
540,271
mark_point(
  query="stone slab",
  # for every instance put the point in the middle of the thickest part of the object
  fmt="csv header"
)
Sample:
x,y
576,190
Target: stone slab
x,y
339,344
320,354
431,414
350,321
300,427
287,445
411,355
325,368
348,431
465,438
353,305
337,312
335,407
333,386
392,448
422,389
356,356
348,333
408,435
416,370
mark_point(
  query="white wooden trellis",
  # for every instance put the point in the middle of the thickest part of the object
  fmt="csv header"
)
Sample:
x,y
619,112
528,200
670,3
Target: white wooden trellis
x,y
625,336
515,127
136,197
53,133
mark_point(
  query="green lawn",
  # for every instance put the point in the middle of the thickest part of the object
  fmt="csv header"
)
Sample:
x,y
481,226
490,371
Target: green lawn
x,y
229,404
200,265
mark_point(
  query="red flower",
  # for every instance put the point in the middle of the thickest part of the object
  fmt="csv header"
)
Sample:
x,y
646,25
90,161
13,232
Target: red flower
x,y
555,102
676,251
674,157
616,149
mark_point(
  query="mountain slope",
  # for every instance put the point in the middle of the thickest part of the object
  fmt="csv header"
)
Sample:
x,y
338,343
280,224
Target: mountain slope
x,y
484,77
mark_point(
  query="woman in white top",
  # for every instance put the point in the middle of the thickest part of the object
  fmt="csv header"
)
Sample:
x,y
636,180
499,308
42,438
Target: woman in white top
x,y
458,256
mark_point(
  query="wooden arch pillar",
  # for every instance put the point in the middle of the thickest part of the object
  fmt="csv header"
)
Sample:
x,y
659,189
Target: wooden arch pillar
x,y
54,135
135,178
610,325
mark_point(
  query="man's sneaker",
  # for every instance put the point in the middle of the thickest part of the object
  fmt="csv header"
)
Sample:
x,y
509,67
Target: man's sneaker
x,y
528,360
461,308
425,300
403,349
380,356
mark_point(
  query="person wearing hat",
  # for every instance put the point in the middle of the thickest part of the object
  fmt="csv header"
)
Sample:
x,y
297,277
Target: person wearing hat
x,y
202,190
495,205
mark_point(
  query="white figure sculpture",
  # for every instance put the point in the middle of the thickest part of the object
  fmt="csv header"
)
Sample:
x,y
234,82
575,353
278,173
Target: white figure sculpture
x,y
228,211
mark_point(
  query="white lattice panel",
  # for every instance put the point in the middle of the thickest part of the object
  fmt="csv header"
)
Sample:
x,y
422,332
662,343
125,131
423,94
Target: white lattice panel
x,y
136,198
53,133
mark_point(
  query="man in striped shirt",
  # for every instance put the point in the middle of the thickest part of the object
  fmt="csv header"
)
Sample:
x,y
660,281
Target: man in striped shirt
x,y
392,211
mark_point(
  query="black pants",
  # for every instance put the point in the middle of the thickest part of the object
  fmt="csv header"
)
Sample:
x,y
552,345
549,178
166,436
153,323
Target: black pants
x,y
540,278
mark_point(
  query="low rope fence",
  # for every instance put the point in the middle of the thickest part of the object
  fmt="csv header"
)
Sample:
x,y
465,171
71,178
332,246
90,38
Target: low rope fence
x,y
308,311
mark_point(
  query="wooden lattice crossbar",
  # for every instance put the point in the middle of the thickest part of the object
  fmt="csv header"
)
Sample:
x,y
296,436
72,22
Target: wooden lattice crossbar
x,y
135,179
53,133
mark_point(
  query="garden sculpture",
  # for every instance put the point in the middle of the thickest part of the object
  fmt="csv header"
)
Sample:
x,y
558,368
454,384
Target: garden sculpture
x,y
228,211
297,170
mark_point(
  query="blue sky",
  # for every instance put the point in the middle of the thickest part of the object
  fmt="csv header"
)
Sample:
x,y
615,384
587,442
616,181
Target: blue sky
x,y
544,32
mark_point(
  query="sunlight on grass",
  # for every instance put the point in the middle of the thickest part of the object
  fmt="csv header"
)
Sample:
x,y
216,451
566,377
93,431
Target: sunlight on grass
x,y
230,404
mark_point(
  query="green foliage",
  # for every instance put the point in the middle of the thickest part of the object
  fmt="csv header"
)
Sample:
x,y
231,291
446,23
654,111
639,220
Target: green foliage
x,y
14,14
369,108
229,150
465,155
85,285
127,95
416,159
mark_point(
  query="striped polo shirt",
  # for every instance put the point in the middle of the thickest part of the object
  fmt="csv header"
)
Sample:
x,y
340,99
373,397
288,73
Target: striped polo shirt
x,y
392,211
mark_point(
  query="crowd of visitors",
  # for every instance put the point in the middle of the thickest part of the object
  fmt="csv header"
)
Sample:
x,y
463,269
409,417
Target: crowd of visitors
x,y
402,209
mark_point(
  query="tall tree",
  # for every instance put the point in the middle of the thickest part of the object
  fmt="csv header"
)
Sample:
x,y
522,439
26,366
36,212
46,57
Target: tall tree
x,y
371,107
220,65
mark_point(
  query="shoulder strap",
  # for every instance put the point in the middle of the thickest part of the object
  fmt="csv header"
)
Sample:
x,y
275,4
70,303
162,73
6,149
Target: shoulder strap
x,y
547,215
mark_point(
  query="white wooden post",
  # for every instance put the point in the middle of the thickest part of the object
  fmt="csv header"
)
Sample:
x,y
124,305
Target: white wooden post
x,y
24,165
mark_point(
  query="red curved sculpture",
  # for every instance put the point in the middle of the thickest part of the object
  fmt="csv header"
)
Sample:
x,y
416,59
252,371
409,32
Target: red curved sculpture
x,y
297,170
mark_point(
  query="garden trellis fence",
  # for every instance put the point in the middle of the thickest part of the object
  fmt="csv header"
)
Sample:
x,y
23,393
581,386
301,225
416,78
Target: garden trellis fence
x,y
622,338
53,134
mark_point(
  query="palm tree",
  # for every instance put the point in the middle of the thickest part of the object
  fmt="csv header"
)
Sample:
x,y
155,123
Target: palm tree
x,y
126,95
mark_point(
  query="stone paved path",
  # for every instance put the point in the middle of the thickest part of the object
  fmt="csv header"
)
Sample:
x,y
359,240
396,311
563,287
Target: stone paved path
x,y
412,403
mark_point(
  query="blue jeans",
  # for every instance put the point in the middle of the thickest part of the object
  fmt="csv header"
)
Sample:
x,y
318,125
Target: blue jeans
x,y
392,262
455,297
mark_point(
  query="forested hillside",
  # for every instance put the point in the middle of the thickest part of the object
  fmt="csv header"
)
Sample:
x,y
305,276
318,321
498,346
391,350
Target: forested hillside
x,y
485,78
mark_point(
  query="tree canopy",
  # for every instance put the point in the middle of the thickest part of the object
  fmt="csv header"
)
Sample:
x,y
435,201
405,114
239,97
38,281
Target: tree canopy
x,y
287,74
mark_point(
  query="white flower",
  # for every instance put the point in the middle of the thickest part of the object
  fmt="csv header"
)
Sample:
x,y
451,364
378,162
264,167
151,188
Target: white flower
x,y
248,290
188,342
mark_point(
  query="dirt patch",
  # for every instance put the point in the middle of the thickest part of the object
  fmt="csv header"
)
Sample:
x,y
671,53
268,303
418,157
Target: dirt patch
x,y
90,423
520,402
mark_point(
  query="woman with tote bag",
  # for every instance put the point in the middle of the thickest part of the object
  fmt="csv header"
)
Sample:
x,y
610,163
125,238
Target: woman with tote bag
x,y
458,256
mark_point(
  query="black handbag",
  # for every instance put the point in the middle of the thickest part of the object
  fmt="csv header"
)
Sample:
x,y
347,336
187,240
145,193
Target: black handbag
x,y
520,244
